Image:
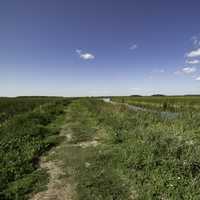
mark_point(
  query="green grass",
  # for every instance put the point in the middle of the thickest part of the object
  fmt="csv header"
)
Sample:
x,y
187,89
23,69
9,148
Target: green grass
x,y
164,103
83,124
24,138
141,155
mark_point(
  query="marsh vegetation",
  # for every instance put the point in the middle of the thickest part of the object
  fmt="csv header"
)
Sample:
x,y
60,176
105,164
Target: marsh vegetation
x,y
107,151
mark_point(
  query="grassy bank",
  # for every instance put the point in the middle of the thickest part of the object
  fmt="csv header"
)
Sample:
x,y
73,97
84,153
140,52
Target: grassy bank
x,y
139,155
163,103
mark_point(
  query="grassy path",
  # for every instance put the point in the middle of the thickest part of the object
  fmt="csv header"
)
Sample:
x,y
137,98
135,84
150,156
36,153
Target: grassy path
x,y
59,186
81,167
110,152
63,162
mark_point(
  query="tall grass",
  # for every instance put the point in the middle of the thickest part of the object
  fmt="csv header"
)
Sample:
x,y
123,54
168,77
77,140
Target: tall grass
x,y
144,156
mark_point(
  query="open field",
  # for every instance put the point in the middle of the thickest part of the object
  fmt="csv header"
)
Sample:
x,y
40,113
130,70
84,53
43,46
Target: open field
x,y
88,149
99,100
163,103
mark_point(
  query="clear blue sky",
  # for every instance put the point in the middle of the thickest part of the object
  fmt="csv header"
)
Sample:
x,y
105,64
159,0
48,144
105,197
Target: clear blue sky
x,y
99,47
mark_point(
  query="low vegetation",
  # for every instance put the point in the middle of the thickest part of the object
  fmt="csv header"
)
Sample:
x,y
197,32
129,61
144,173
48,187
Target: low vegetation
x,y
12,106
110,151
163,103
23,139
140,156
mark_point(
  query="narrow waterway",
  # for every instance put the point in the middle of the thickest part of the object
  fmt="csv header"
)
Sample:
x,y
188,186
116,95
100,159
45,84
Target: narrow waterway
x,y
164,114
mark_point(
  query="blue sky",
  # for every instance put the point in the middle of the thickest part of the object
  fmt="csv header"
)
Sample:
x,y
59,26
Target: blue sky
x,y
99,47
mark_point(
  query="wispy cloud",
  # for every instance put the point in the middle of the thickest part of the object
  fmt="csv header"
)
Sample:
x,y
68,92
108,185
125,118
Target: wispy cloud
x,y
196,40
178,72
133,47
197,78
191,59
188,70
194,53
85,56
78,51
192,62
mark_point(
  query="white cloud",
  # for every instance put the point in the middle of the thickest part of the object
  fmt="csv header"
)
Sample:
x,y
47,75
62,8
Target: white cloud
x,y
133,47
78,51
191,59
188,70
195,40
194,53
198,78
85,56
192,62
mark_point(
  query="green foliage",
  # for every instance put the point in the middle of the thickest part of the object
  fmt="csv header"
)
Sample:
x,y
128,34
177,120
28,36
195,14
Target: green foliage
x,y
83,124
163,103
145,156
140,155
23,139
17,189
12,106
101,181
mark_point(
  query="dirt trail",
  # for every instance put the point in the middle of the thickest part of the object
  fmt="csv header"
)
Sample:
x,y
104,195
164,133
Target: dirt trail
x,y
60,186
85,144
